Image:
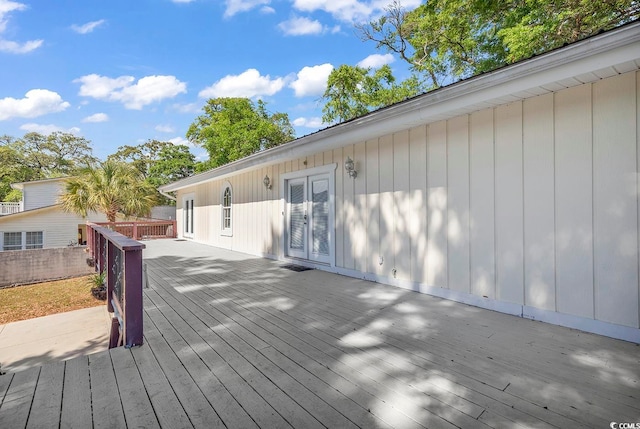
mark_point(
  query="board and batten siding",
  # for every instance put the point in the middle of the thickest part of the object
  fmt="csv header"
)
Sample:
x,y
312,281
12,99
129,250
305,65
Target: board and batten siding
x,y
530,207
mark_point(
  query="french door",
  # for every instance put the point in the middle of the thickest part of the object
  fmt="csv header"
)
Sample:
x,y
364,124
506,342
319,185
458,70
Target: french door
x,y
309,218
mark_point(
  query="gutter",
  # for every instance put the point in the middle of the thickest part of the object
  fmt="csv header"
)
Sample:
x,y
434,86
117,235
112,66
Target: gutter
x,y
164,194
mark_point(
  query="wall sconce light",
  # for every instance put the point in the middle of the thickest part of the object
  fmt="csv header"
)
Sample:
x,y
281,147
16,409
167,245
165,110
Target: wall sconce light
x,y
267,182
349,165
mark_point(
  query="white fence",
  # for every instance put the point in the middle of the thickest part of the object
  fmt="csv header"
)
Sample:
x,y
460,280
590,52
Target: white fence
x,y
10,208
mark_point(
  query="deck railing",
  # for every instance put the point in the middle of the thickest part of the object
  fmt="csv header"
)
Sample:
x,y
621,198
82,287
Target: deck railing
x,y
119,258
7,208
143,230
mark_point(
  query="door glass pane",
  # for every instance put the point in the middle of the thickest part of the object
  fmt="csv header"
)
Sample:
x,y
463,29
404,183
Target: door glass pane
x,y
320,216
296,228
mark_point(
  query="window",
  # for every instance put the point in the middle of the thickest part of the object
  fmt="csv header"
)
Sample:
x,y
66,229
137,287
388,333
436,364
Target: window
x,y
188,211
34,240
22,240
227,197
12,241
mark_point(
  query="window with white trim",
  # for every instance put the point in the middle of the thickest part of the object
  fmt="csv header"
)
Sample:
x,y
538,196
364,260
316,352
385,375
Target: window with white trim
x,y
12,241
22,240
226,208
34,240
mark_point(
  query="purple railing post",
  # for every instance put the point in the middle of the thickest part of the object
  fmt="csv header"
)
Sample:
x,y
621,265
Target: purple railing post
x,y
120,259
132,305
110,276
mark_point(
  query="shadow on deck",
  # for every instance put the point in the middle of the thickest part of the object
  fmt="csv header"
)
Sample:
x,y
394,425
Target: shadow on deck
x,y
237,341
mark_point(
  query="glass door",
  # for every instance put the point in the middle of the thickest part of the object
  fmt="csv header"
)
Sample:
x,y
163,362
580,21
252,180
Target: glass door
x,y
319,219
308,221
297,220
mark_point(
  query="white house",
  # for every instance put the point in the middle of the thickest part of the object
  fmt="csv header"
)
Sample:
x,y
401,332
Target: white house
x,y
40,222
516,190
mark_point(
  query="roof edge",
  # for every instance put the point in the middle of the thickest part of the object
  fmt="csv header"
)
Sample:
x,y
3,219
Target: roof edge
x,y
577,58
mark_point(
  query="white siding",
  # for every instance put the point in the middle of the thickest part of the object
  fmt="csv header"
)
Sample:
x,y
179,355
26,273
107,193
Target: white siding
x,y
615,200
529,207
59,228
41,193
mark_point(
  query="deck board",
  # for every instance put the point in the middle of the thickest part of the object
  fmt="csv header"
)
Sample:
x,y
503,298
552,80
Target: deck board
x,y
17,402
48,396
239,342
107,406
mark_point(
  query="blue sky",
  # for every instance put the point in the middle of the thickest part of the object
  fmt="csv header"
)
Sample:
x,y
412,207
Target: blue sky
x,y
122,72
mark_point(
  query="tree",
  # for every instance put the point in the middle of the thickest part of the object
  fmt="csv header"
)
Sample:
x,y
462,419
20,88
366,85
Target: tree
x,y
111,188
444,40
54,155
353,91
174,162
12,170
142,156
158,162
232,128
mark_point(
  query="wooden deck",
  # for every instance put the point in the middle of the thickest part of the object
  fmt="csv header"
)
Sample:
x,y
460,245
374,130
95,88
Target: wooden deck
x,y
240,342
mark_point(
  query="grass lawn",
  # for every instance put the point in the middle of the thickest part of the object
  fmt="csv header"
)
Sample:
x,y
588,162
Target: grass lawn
x,y
42,299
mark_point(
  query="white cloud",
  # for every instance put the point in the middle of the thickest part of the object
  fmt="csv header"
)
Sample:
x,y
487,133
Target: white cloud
x,y
165,128
300,26
187,108
237,6
88,27
314,122
311,80
147,90
36,102
247,84
350,10
97,117
181,141
182,1
48,129
376,61
7,7
267,10
9,46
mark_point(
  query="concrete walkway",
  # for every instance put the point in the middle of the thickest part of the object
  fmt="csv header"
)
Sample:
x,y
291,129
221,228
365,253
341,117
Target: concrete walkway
x,y
61,336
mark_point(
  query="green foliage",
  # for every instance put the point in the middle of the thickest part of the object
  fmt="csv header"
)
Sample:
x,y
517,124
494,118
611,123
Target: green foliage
x,y
111,188
354,91
174,162
232,128
158,162
445,40
57,154
36,156
98,279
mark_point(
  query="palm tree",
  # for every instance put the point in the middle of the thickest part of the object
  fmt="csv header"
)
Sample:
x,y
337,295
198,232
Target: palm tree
x,y
112,188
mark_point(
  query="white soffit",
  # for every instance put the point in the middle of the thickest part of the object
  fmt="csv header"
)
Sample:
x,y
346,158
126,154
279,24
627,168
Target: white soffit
x,y
605,55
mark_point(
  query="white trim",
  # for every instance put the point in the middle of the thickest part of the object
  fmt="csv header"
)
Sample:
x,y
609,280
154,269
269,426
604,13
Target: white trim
x,y
593,326
328,169
227,232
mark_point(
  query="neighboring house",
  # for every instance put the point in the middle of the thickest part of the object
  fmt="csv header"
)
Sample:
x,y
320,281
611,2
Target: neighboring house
x,y
516,190
40,222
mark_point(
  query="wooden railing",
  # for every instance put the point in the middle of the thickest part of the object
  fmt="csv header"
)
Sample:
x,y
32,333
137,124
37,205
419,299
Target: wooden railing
x,y
10,208
119,259
143,230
